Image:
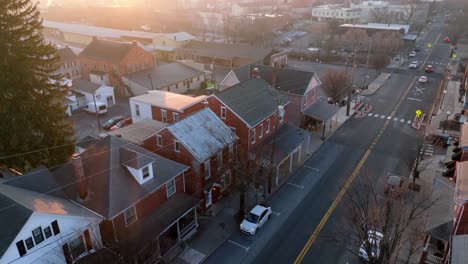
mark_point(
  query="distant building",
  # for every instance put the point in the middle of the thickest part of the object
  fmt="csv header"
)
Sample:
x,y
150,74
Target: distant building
x,y
70,67
337,12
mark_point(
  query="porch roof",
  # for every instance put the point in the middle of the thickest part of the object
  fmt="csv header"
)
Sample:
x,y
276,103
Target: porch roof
x,y
321,110
442,231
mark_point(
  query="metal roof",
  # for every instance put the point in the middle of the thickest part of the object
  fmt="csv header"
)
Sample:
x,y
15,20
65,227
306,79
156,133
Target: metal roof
x,y
321,109
381,26
461,185
139,131
168,100
460,249
203,134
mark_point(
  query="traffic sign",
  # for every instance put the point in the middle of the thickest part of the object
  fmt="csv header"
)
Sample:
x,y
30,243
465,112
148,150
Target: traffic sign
x,y
429,45
418,113
454,56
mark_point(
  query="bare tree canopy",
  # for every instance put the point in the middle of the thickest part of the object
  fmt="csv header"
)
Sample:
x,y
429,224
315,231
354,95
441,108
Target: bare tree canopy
x,y
336,85
357,38
383,48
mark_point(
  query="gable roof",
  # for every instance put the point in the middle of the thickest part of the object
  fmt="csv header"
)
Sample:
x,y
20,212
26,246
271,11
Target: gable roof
x,y
111,187
287,80
203,134
168,100
84,86
161,76
106,50
67,54
227,51
252,100
139,131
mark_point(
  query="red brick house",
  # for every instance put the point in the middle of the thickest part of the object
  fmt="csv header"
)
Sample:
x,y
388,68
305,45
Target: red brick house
x,y
140,195
164,106
300,87
105,62
203,142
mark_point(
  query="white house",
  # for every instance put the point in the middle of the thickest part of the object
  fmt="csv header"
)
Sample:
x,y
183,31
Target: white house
x,y
102,93
337,12
41,228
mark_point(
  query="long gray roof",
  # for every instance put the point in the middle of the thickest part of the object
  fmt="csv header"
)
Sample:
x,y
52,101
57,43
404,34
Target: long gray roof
x,y
112,188
203,134
106,50
253,100
227,51
84,86
67,54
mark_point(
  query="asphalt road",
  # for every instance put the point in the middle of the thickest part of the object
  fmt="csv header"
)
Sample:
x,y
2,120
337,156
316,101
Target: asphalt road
x,y
376,144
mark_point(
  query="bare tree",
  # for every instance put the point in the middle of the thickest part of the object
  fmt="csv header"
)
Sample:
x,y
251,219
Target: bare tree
x,y
381,15
227,27
377,226
407,15
384,48
211,19
356,39
336,85
457,27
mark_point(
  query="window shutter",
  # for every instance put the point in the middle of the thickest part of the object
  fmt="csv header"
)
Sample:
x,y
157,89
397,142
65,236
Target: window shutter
x,y
21,248
55,227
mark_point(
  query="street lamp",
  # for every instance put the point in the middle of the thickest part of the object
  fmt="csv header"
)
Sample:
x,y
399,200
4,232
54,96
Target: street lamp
x,y
443,96
446,122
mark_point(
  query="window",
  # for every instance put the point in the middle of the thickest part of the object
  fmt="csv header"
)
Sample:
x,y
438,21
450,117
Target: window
x,y
198,77
98,96
21,248
219,159
139,67
175,116
47,232
38,235
260,131
29,242
177,85
55,227
130,215
267,126
281,119
136,67
129,68
137,110
159,140
105,67
207,169
223,112
164,115
77,247
146,172
95,66
170,188
176,146
231,151
252,136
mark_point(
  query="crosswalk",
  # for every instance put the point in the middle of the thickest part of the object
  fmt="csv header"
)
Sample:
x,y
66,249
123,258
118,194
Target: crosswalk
x,y
392,118
427,149
436,63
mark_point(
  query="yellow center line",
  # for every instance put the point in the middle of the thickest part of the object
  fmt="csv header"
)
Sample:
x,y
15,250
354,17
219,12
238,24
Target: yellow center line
x,y
427,57
343,190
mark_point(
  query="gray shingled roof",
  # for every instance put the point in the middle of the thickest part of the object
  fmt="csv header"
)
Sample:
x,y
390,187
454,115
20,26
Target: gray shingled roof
x,y
203,134
287,80
106,50
162,76
253,100
227,51
84,86
112,188
67,54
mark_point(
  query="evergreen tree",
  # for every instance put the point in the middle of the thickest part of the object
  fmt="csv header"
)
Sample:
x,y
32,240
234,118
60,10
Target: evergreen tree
x,y
34,130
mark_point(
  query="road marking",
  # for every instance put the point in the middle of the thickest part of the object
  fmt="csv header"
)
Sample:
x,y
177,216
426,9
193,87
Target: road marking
x,y
395,119
389,117
427,57
295,185
414,99
312,168
239,245
418,90
277,214
343,190
382,116
370,114
402,120
376,115
409,122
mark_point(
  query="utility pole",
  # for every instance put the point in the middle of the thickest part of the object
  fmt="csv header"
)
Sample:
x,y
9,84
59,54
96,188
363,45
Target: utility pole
x,y
278,112
348,102
96,111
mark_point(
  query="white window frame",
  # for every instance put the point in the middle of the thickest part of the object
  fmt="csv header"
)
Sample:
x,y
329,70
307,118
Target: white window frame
x,y
164,115
125,215
231,152
137,109
143,173
223,112
175,116
267,130
219,159
207,169
173,187
253,136
260,131
159,140
176,145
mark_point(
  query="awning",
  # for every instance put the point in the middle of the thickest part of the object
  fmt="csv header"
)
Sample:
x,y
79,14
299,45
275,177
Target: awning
x,y
321,110
442,231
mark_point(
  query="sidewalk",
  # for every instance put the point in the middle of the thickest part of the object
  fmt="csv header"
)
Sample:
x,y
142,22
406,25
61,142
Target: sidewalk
x,y
214,230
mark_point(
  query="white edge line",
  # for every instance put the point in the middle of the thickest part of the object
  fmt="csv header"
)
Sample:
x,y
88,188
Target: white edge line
x,y
277,214
295,185
245,248
414,99
312,168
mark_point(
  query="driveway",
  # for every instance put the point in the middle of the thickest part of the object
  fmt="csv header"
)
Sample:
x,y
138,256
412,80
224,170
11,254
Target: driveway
x,y
85,124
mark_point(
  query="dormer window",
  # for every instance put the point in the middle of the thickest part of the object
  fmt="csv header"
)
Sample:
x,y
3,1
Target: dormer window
x,y
146,172
176,146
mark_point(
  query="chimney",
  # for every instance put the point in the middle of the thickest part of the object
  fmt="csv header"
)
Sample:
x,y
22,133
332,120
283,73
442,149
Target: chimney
x,y
79,173
205,104
134,42
255,73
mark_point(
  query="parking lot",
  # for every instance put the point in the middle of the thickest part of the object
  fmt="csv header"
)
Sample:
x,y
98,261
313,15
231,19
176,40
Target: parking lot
x,y
85,124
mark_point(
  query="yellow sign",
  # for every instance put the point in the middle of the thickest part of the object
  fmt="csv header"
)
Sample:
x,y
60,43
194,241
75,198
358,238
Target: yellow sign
x,y
429,45
454,56
418,113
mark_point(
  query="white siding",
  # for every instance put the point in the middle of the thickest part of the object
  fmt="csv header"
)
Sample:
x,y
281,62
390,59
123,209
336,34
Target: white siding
x,y
145,111
50,250
230,79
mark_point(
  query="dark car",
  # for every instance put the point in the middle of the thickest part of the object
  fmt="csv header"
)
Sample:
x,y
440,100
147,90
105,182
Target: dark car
x,y
109,123
417,48
122,123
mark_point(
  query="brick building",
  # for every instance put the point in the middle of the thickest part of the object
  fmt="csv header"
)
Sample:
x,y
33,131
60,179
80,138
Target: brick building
x,y
70,67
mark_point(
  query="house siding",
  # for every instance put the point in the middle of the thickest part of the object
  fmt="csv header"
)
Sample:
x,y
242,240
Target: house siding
x,y
157,115
145,111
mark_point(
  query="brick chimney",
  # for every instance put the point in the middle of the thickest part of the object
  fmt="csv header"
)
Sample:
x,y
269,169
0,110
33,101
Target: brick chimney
x,y
80,175
255,73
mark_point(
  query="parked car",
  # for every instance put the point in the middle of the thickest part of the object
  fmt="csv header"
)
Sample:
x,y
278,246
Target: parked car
x,y
122,123
447,40
373,238
412,54
428,69
414,65
417,48
255,219
422,79
111,122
